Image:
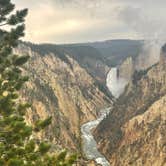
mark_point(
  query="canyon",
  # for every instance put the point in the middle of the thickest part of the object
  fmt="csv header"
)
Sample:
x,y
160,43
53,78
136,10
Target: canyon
x,y
134,131
73,83
67,83
59,87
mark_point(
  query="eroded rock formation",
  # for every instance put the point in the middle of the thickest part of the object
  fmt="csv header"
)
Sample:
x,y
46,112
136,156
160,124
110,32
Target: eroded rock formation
x,y
61,88
134,133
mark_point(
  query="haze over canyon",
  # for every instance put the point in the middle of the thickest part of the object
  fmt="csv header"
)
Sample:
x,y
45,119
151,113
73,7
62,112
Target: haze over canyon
x,y
82,83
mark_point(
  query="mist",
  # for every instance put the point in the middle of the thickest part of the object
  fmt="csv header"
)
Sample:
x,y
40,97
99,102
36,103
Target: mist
x,y
149,55
151,28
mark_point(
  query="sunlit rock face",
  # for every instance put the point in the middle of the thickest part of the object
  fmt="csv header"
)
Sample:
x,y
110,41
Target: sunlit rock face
x,y
115,83
59,87
134,132
127,68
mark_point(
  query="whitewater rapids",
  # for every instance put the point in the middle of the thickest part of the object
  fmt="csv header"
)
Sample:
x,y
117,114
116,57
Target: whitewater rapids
x,y
89,143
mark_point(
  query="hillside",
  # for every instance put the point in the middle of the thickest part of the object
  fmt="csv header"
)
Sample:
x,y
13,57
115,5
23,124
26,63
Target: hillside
x,y
67,82
134,132
96,57
114,52
90,59
61,88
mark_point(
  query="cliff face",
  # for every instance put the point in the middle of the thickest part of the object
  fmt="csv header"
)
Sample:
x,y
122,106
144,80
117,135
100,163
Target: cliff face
x,y
116,51
126,69
87,57
90,59
134,132
61,88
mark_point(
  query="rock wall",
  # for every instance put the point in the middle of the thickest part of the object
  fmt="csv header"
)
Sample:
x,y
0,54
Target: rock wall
x,y
134,132
126,69
61,88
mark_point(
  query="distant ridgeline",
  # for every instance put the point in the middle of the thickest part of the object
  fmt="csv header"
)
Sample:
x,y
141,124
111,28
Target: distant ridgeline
x,y
112,52
96,58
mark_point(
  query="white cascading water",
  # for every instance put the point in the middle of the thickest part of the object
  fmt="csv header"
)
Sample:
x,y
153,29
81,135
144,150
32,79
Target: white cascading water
x,y
116,86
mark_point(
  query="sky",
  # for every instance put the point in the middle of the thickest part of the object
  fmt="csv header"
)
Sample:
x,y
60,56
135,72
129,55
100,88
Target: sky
x,y
76,21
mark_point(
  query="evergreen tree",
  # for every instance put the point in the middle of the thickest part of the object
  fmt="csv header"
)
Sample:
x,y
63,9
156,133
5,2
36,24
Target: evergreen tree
x,y
17,148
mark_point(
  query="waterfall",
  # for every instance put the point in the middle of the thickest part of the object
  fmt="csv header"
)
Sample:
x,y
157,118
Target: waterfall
x,y
115,83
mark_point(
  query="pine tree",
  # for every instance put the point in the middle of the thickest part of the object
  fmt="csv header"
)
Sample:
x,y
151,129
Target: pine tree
x,y
17,148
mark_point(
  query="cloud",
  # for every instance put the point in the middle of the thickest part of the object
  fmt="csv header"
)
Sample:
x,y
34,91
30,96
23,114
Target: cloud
x,y
84,20
148,21
148,24
68,21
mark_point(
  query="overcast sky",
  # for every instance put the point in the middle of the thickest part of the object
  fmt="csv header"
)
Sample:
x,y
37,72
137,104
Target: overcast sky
x,y
72,21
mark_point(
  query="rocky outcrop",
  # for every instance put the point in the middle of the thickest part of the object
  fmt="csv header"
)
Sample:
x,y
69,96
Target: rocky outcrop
x,y
90,59
144,138
134,132
163,55
61,88
126,69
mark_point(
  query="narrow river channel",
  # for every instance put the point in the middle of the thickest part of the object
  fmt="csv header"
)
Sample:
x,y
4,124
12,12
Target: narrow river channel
x,y
89,143
116,86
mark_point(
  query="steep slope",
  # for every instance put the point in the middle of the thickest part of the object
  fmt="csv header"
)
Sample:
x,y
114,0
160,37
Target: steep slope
x,y
134,133
114,52
95,57
61,88
126,69
89,58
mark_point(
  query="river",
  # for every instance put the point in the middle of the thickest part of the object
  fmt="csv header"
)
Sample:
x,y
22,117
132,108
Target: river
x,y
116,86
89,143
